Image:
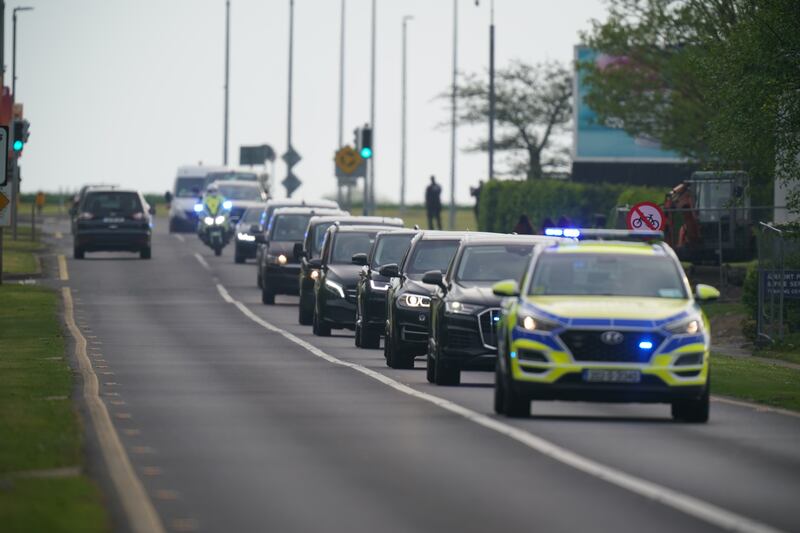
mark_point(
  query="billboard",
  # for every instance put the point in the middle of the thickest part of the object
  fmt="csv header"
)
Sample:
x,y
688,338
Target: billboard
x,y
595,142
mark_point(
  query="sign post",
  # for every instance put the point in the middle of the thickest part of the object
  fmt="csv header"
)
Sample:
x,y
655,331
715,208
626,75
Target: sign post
x,y
6,192
645,216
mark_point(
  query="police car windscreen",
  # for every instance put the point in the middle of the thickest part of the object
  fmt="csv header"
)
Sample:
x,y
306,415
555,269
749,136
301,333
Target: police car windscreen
x,y
232,192
189,187
391,249
348,244
430,255
586,274
496,262
113,202
289,227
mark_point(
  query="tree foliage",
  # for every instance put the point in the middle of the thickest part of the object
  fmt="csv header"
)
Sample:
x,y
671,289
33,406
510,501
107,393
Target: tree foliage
x,y
533,103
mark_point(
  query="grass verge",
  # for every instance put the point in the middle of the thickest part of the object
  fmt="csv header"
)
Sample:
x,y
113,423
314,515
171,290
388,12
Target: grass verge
x,y
786,350
38,422
19,256
415,214
756,381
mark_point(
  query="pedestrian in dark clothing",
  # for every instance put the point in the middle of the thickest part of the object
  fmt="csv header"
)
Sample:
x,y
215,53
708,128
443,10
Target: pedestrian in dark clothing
x,y
433,203
476,193
524,226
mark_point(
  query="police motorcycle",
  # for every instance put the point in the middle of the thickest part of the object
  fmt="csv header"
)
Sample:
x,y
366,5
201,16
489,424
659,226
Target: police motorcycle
x,y
213,225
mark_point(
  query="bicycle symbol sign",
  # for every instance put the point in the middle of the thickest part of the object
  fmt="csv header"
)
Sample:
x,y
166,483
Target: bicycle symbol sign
x,y
645,216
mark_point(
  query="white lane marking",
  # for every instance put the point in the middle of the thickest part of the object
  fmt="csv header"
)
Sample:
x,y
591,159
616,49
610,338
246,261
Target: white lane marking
x,y
141,514
225,294
689,505
179,237
755,406
63,274
202,261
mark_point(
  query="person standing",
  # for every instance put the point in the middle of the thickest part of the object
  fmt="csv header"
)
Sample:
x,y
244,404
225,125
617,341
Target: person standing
x,y
433,203
524,226
476,193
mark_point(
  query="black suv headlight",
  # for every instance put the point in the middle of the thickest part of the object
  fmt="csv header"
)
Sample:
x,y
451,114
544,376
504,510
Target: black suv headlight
x,y
414,301
460,308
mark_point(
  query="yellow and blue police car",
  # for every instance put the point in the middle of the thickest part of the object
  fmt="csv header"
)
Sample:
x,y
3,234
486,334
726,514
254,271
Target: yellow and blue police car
x,y
604,318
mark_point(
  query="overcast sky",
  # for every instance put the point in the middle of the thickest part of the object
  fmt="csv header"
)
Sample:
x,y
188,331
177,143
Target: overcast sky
x,y
125,91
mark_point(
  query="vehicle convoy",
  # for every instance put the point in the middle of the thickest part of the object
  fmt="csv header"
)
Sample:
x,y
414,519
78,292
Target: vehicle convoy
x,y
213,227
464,310
277,266
241,195
186,192
608,321
311,247
230,174
335,287
408,298
245,233
389,247
111,219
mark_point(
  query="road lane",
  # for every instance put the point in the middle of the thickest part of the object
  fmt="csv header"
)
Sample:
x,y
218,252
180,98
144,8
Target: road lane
x,y
249,430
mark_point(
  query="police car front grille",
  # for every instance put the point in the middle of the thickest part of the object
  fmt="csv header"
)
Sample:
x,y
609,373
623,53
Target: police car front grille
x,y
587,345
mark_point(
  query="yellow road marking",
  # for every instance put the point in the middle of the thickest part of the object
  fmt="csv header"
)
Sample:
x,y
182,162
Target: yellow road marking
x,y
63,275
58,235
142,516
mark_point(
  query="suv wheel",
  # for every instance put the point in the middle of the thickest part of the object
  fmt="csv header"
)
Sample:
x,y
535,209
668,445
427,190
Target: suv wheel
x,y
77,253
396,357
238,256
692,411
320,328
445,374
267,296
370,338
506,400
305,310
145,253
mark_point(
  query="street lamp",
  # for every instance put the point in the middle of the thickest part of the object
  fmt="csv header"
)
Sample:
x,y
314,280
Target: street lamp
x,y
452,213
403,123
15,167
491,88
227,77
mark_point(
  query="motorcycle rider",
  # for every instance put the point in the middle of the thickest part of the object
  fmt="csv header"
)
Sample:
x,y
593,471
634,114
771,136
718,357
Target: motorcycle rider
x,y
213,206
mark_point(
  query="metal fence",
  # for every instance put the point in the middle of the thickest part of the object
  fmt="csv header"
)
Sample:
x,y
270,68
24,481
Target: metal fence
x,y
778,283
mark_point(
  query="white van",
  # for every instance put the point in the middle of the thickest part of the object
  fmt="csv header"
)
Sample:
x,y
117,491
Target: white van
x,y
187,191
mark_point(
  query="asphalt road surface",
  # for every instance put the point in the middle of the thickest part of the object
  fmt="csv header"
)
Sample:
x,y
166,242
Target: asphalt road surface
x,y
235,418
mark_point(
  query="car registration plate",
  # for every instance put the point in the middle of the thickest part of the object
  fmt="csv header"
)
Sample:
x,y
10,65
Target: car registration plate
x,y
112,220
612,376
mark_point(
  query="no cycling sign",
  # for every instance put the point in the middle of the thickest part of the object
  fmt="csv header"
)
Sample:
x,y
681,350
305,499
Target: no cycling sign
x,y
645,216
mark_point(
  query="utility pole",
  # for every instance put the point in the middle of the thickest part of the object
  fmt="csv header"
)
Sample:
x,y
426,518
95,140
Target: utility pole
x,y
452,217
403,122
371,162
341,94
2,88
491,93
14,162
227,78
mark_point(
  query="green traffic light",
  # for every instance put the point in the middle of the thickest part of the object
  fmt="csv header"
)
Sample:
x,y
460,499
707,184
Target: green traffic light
x,y
366,152
18,144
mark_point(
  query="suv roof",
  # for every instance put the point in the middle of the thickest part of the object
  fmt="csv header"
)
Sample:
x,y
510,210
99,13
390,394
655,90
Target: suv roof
x,y
616,247
491,238
357,228
301,210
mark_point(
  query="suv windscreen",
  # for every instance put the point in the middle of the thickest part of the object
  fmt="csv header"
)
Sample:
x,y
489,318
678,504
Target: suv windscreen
x,y
494,262
430,255
232,192
189,187
391,249
318,238
598,274
251,216
347,243
288,227
113,202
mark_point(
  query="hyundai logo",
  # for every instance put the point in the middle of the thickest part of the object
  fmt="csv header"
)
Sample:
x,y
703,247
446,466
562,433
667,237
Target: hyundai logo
x,y
612,338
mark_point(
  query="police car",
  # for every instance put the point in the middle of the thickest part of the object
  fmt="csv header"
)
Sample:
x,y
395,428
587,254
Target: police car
x,y
604,319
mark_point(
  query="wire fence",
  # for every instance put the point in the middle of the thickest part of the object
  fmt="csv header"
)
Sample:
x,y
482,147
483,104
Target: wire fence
x,y
778,283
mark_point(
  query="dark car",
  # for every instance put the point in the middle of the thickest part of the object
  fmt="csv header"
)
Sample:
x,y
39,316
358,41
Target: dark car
x,y
277,267
245,234
78,198
312,247
335,287
408,299
113,220
242,195
389,247
464,310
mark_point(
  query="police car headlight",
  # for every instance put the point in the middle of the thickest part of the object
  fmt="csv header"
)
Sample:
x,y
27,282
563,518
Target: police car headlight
x,y
334,288
532,323
198,208
314,274
459,308
219,220
414,301
209,221
691,326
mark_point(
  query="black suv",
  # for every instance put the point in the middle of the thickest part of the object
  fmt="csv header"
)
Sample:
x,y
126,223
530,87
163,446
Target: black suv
x,y
311,248
335,287
408,299
389,247
245,234
277,267
464,310
113,220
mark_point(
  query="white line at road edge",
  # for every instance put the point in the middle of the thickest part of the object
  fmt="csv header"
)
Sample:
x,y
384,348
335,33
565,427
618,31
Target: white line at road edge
x,y
202,261
755,406
697,508
179,237
141,514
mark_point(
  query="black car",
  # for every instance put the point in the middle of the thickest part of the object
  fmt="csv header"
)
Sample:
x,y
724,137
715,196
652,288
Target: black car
x,y
335,287
408,299
78,198
464,309
312,247
389,247
113,220
277,267
245,234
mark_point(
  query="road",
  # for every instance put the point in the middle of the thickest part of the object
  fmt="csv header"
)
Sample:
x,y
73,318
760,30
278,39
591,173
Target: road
x,y
235,418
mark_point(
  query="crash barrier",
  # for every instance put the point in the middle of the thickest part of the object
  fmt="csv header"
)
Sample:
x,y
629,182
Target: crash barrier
x,y
778,304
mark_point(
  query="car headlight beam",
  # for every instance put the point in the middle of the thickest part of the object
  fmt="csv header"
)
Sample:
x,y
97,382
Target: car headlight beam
x,y
414,301
461,308
692,326
335,288
209,221
220,220
379,285
534,323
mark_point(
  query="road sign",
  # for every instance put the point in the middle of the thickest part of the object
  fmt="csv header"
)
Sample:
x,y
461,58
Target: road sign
x,y
291,158
348,162
3,155
291,183
5,205
645,216
256,155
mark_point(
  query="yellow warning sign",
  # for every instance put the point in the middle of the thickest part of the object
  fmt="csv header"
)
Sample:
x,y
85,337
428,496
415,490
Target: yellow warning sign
x,y
4,201
348,160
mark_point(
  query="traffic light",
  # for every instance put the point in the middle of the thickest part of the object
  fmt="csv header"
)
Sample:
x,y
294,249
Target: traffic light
x,y
365,144
21,134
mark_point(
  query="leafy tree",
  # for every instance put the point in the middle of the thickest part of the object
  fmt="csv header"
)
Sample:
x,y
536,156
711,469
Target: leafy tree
x,y
533,103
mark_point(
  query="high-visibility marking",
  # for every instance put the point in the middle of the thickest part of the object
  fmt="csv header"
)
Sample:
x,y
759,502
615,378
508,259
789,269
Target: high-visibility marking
x,y
756,406
202,261
684,503
63,275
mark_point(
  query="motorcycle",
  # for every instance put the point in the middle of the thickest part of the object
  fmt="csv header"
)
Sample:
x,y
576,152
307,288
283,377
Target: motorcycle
x,y
214,228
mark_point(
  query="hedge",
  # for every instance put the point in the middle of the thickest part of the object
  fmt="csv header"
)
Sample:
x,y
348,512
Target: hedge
x,y
502,202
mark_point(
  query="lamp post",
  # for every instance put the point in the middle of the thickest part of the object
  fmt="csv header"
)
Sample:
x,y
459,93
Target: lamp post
x,y
492,100
452,214
369,207
403,122
227,77
15,166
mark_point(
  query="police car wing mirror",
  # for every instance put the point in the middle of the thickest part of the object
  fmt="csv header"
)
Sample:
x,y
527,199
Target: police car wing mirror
x,y
359,259
507,288
433,277
297,251
705,293
390,271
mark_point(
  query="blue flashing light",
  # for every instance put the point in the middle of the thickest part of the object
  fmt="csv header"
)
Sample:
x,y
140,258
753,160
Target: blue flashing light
x,y
198,208
513,355
496,319
554,232
366,152
645,345
572,232
18,144
227,204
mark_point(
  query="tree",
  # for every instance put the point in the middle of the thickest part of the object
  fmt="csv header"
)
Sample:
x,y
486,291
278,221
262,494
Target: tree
x,y
532,104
